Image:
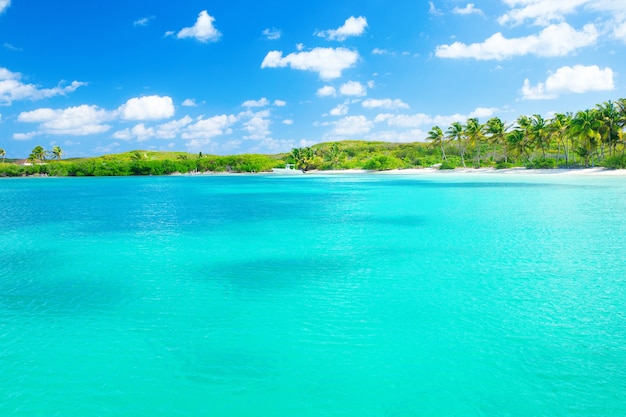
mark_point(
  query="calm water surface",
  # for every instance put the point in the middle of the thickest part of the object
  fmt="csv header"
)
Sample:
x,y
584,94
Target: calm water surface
x,y
364,295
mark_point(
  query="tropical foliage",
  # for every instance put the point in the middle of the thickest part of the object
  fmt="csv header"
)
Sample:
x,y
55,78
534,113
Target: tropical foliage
x,y
586,138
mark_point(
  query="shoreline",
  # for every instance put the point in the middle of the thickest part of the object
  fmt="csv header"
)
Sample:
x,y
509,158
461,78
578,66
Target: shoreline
x,y
596,171
580,172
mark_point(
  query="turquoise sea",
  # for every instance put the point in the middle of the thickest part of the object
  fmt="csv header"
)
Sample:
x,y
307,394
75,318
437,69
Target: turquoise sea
x,y
350,295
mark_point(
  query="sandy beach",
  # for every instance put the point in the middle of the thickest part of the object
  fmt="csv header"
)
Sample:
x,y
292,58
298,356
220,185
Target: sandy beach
x,y
480,171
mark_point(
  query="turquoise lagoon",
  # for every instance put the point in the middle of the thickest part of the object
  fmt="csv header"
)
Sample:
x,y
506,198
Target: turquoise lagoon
x,y
350,295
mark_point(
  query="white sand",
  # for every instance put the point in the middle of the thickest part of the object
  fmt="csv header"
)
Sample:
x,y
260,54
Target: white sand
x,y
477,171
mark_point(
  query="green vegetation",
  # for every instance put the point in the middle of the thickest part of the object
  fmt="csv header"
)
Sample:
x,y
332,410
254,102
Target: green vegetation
x,y
587,138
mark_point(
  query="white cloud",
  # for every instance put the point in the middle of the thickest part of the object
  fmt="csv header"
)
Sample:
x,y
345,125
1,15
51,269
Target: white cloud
x,y
256,103
353,26
272,34
171,129
469,9
147,108
168,130
189,102
142,133
555,40
619,31
74,121
203,30
353,88
209,128
12,89
379,51
327,91
432,9
340,110
4,4
418,120
288,122
257,128
328,62
576,79
540,12
143,21
280,103
386,103
351,127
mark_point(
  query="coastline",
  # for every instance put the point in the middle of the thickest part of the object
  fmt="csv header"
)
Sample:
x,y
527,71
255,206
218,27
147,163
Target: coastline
x,y
600,171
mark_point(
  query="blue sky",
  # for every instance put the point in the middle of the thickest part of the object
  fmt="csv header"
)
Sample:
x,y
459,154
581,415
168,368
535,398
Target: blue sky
x,y
237,76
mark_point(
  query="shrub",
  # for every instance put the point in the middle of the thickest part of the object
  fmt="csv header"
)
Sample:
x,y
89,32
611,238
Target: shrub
x,y
383,163
615,162
447,165
541,163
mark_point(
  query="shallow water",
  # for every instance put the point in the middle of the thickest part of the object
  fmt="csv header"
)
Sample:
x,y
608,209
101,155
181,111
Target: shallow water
x,y
360,295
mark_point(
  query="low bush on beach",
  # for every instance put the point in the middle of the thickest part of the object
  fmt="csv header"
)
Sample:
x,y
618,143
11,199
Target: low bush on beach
x,y
383,163
615,162
541,163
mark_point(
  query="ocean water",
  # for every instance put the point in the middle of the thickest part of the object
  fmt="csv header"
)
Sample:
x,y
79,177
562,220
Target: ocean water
x,y
364,295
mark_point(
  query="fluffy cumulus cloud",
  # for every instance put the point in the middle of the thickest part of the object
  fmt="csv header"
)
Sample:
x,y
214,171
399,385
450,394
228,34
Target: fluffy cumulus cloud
x,y
326,91
353,26
189,102
280,103
203,30
340,110
469,9
327,62
386,103
13,89
422,120
75,121
540,12
256,103
257,127
576,79
353,88
555,40
140,132
205,129
351,127
147,108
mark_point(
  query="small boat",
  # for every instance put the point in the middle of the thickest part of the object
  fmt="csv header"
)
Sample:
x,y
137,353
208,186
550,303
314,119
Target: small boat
x,y
289,169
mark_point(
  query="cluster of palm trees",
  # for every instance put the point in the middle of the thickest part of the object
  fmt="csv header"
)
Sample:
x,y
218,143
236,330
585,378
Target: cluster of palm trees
x,y
310,158
588,134
39,154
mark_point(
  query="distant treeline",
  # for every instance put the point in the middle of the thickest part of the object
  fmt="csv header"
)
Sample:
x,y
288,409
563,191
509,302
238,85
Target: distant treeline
x,y
589,137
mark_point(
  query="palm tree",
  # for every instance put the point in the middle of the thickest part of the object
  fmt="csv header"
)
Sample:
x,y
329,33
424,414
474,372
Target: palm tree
x,y
538,132
455,132
438,139
586,127
3,154
474,132
609,115
57,152
519,143
333,154
38,154
558,127
497,133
